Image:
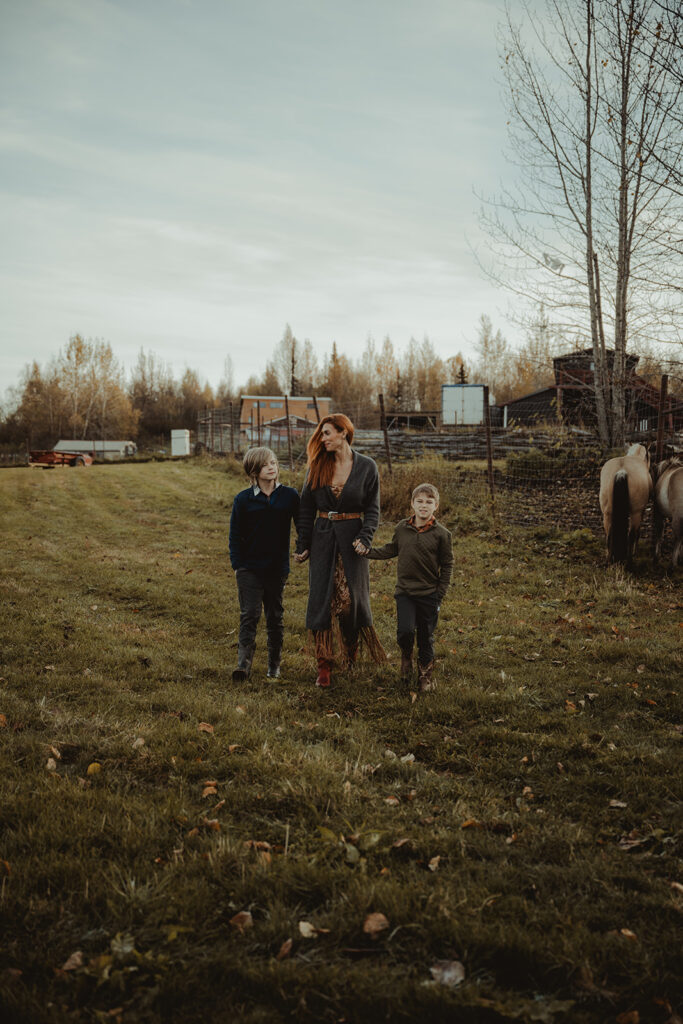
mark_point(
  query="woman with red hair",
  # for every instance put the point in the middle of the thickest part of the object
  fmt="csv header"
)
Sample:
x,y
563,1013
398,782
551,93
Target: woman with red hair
x,y
338,516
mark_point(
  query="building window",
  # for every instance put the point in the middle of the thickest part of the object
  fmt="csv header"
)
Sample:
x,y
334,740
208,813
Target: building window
x,y
310,405
276,405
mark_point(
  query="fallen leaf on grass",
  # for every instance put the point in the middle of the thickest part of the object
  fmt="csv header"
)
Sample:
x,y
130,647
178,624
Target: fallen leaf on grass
x,y
402,842
674,885
232,747
408,759
257,844
631,842
94,768
629,1017
5,865
617,803
74,961
471,823
212,823
285,949
434,863
3,721
628,934
242,920
375,924
307,930
391,800
205,727
447,972
137,743
51,764
209,791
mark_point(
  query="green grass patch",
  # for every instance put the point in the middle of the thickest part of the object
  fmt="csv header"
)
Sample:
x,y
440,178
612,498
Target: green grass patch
x,y
523,819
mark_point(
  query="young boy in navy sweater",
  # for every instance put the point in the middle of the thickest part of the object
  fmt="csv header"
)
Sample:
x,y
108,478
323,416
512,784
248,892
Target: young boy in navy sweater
x,y
425,563
259,553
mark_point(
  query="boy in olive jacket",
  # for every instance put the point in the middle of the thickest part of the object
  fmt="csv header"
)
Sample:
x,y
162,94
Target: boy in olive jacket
x,y
425,564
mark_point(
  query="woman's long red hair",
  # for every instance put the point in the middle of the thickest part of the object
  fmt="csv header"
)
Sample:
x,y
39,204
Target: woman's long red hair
x,y
321,462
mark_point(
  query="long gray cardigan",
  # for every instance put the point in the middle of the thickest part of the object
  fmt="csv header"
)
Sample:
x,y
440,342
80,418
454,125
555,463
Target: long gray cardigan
x,y
325,537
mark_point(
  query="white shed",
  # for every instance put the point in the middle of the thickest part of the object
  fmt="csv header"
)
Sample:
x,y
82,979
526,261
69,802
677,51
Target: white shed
x,y
462,404
98,449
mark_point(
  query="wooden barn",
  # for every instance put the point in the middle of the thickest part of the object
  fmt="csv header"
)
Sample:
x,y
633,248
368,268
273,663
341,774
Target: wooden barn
x,y
571,399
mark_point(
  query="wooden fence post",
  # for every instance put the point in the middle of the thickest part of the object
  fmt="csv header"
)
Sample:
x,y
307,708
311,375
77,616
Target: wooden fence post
x,y
489,449
660,417
258,422
315,406
232,431
383,421
289,433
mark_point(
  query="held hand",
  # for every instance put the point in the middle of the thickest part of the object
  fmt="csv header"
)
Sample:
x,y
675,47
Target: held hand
x,y
301,557
360,548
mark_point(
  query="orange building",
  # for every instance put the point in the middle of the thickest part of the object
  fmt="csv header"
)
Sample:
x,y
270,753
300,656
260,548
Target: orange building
x,y
261,409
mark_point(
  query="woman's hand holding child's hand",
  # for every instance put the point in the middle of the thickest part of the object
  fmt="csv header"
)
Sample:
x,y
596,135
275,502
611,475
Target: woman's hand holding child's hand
x,y
301,557
359,547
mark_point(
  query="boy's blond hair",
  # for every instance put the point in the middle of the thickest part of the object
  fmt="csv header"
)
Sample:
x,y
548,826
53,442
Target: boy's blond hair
x,y
254,461
429,489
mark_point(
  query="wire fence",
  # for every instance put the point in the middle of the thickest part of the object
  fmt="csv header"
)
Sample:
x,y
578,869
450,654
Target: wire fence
x,y
537,464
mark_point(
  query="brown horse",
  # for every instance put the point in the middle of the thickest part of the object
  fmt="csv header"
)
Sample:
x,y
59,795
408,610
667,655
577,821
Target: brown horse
x,y
668,477
625,488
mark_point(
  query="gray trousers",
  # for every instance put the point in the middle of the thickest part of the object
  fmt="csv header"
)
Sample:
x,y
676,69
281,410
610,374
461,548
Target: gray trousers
x,y
256,591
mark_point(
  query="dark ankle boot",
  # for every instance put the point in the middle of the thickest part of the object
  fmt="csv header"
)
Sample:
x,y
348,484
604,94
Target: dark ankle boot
x,y
245,655
406,666
425,675
324,668
274,664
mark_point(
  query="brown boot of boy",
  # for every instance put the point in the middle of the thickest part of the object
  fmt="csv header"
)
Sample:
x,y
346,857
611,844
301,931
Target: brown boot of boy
x,y
425,676
406,667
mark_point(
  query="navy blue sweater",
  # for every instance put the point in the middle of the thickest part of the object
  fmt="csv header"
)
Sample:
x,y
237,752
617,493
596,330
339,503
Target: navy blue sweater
x,y
259,530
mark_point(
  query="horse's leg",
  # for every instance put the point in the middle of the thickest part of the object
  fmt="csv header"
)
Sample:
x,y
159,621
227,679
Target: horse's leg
x,y
677,531
607,526
658,529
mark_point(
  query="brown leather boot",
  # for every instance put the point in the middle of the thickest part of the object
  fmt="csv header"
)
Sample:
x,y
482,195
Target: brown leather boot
x,y
406,667
324,668
425,676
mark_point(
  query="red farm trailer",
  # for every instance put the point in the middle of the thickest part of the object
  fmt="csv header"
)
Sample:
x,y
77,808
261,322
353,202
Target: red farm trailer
x,y
50,459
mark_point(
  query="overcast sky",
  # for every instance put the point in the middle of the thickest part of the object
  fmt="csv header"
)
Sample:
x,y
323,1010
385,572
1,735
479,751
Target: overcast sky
x,y
189,176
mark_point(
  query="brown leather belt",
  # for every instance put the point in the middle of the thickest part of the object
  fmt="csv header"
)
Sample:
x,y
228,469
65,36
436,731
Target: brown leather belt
x,y
340,515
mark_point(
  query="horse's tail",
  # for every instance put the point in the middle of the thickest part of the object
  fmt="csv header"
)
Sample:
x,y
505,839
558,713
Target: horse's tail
x,y
621,510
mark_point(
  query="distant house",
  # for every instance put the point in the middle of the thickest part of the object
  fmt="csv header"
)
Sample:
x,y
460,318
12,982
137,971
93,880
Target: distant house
x,y
98,449
263,415
572,400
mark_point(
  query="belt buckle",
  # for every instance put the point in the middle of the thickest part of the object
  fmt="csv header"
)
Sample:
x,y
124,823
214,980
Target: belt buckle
x,y
333,515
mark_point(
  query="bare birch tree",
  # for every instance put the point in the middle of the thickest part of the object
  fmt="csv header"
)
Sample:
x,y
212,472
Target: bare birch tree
x,y
590,230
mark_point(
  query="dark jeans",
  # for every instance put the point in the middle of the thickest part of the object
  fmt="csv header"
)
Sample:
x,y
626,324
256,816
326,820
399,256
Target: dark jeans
x,y
255,591
417,614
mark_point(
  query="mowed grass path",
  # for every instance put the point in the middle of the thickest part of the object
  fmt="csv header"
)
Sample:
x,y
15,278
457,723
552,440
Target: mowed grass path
x,y
174,847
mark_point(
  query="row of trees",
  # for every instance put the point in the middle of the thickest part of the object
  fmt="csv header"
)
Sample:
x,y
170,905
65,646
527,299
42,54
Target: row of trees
x,y
84,392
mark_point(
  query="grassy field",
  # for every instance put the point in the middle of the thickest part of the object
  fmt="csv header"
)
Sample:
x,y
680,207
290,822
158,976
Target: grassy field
x,y
176,848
